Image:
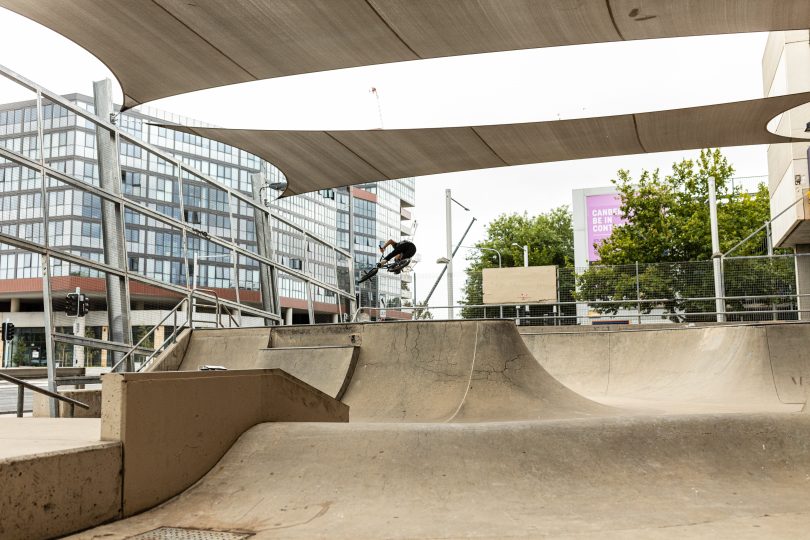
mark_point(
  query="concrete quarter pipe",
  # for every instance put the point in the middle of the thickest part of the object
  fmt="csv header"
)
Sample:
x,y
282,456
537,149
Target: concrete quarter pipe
x,y
457,431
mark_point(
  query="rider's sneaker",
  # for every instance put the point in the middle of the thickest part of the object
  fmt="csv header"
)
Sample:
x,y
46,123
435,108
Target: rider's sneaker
x,y
379,265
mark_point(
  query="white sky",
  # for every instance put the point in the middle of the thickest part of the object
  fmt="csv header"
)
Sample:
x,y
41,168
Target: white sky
x,y
521,86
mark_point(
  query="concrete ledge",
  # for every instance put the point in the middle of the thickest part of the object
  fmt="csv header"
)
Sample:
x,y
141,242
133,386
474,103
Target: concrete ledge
x,y
175,426
41,372
236,348
91,397
55,479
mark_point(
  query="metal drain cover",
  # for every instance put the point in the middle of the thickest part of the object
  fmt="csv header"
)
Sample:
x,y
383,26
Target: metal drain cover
x,y
177,533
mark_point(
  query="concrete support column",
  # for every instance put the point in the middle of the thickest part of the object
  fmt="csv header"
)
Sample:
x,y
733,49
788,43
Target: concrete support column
x,y
15,305
803,280
112,220
288,316
160,335
104,333
263,227
335,318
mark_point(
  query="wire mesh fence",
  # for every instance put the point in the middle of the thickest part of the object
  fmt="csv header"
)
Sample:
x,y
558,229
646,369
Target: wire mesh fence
x,y
755,288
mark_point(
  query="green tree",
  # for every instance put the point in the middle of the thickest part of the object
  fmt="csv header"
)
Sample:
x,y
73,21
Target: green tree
x,y
550,239
669,226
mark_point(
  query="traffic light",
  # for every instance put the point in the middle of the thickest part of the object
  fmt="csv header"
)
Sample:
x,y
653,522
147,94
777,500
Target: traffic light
x,y
76,305
72,305
8,331
84,305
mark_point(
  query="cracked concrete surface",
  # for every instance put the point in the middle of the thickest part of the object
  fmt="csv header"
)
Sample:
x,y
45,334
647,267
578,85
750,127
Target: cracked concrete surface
x,y
523,456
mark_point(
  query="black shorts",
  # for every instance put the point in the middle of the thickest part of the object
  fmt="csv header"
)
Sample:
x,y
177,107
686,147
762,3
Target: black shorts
x,y
407,249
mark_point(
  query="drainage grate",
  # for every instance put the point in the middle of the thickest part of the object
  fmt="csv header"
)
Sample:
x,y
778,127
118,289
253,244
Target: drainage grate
x,y
177,533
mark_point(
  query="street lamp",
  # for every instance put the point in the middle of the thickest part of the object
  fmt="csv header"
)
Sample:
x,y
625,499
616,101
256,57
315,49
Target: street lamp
x,y
525,253
449,222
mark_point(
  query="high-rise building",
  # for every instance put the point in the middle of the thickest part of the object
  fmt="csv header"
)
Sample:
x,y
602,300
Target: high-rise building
x,y
379,212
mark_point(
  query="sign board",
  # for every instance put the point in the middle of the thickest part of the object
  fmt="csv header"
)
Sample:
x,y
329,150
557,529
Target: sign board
x,y
603,213
533,284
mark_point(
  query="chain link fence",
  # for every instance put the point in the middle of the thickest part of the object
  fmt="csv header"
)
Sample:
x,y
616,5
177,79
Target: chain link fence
x,y
757,288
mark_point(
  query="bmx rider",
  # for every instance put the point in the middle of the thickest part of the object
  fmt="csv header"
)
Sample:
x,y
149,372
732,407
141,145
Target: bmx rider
x,y
404,249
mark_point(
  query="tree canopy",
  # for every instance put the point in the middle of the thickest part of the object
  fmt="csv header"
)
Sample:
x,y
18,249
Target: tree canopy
x,y
668,232
549,236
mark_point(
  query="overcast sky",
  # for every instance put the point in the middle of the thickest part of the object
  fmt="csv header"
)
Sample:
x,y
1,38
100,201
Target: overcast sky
x,y
521,86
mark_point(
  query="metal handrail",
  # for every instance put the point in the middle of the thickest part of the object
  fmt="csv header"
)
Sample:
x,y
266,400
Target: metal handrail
x,y
22,385
192,294
135,347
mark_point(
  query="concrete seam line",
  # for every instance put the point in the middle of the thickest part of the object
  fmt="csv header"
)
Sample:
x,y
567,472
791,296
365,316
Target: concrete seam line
x,y
469,381
773,375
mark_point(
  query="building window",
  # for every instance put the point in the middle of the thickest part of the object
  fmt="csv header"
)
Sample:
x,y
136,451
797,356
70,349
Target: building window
x,y
193,216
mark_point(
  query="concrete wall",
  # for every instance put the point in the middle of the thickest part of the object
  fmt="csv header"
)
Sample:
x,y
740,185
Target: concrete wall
x,y
90,397
175,426
329,369
54,494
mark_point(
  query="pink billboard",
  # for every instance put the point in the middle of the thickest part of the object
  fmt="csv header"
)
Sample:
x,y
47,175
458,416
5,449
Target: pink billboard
x,y
604,213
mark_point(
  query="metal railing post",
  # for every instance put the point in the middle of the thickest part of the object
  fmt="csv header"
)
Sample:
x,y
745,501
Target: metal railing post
x,y
638,295
717,255
20,400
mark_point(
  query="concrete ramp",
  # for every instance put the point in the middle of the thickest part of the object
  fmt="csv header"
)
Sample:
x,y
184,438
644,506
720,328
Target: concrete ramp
x,y
327,368
443,371
427,371
789,351
721,368
732,476
235,348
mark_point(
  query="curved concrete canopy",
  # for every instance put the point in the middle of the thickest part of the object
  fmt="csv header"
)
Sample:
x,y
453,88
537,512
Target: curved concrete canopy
x,y
313,160
159,48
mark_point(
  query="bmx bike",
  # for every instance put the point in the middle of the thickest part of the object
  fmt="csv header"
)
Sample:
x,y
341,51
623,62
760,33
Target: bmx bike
x,y
391,266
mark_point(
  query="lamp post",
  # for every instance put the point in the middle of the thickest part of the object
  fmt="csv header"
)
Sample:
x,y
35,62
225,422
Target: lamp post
x,y
525,253
448,200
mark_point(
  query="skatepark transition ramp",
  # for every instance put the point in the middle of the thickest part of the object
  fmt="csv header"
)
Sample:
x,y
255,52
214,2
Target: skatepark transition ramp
x,y
425,371
722,476
763,367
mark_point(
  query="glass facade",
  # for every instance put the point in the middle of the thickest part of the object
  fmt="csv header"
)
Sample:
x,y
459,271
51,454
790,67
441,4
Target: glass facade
x,y
156,250
379,212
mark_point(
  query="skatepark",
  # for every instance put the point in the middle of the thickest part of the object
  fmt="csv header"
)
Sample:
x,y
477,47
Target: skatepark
x,y
444,429
223,411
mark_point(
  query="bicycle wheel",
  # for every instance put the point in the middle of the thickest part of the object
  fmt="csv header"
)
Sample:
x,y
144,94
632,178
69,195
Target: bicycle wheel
x,y
370,274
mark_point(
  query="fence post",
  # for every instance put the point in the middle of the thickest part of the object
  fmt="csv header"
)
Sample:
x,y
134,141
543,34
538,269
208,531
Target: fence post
x,y
717,256
638,296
